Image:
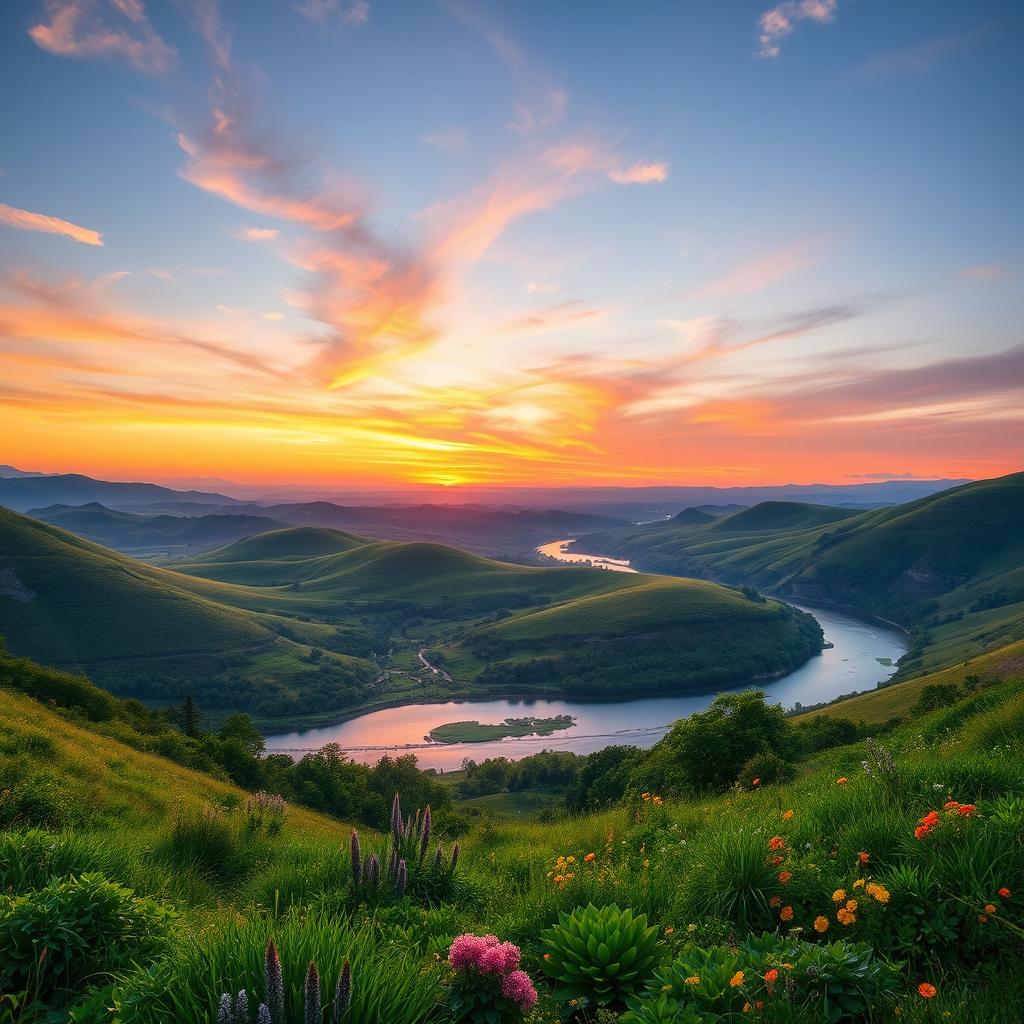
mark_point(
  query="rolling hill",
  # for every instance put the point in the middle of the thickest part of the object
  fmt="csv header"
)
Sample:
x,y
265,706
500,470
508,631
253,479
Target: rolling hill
x,y
516,629
950,566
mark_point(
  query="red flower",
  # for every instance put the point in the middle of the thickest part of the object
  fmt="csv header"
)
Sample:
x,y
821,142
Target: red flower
x,y
921,831
1005,893
772,976
776,843
926,990
863,857
966,810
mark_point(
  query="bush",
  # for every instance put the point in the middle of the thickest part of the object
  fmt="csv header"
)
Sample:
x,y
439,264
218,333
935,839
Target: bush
x,y
73,932
768,769
603,955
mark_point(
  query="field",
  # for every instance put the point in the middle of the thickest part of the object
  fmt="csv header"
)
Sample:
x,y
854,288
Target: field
x,y
747,880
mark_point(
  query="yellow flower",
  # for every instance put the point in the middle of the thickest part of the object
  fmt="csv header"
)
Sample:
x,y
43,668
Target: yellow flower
x,y
571,860
851,905
843,781
821,924
736,979
839,895
693,979
879,892
647,863
859,884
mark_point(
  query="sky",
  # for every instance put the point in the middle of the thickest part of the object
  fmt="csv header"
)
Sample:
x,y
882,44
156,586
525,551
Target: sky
x,y
446,242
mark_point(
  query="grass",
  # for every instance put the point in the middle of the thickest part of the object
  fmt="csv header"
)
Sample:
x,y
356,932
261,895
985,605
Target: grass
x,y
698,869
475,732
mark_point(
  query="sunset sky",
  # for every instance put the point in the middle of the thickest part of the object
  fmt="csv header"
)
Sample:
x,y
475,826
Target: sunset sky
x,y
452,241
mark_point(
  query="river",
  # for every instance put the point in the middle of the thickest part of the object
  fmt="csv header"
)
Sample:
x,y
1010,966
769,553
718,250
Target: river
x,y
856,661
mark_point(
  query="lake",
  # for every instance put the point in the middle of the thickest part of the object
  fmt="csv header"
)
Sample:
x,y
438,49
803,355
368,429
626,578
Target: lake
x,y
862,655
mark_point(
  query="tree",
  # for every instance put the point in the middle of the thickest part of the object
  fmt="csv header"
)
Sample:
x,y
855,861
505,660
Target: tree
x,y
239,728
190,717
707,750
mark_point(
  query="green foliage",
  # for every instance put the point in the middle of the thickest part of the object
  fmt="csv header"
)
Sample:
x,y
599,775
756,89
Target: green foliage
x,y
708,750
768,768
602,954
660,1009
74,931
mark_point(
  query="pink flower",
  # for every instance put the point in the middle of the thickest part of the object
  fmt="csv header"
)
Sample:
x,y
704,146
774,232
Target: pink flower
x,y
500,959
518,987
466,951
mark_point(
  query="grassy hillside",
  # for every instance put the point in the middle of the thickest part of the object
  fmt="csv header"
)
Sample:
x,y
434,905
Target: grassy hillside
x,y
521,629
757,891
153,633
949,566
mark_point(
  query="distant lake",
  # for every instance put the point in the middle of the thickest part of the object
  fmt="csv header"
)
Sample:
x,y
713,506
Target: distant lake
x,y
862,655
556,550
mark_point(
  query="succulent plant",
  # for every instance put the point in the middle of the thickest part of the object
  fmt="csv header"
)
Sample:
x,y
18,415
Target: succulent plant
x,y
660,1010
603,954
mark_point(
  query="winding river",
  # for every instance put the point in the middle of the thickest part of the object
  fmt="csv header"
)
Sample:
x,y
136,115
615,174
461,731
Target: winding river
x,y
862,654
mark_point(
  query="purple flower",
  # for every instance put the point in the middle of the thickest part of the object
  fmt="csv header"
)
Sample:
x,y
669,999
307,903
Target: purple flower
x,y
242,1007
343,993
357,856
263,1015
273,983
373,871
455,857
402,880
466,951
396,819
224,1014
426,833
312,992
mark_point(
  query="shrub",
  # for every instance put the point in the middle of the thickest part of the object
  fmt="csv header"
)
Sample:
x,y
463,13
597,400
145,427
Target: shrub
x,y
487,986
72,931
660,1009
768,768
602,954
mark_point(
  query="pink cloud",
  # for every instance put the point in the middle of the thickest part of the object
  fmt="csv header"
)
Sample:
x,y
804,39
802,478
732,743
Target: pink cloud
x,y
779,21
640,174
27,221
756,274
257,234
989,272
78,28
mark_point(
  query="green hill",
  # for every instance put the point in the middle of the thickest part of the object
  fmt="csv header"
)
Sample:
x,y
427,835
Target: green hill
x,y
149,632
949,566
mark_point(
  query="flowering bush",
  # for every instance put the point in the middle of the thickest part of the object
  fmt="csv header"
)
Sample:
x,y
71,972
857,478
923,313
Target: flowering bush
x,y
488,987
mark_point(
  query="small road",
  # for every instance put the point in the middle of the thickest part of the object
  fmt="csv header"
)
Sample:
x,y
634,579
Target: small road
x,y
421,654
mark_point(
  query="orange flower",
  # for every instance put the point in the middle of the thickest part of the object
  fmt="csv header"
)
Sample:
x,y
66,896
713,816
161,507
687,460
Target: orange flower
x,y
776,843
926,990
843,781
756,782
966,810
990,908
785,876
921,831
589,858
821,924
1005,893
775,901
786,815
950,805
982,918
786,913
547,956
669,930
776,860
839,895
863,857
771,976
737,979
845,916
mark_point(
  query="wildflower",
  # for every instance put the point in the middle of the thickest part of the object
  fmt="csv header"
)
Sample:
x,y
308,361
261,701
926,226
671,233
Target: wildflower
x,y
926,990
771,976
990,908
1005,893
821,924
590,857
786,913
691,928
859,884
570,860
982,918
839,895
786,815
747,1007
756,782
647,862
851,905
263,1015
736,980
312,994
669,930
842,781
878,892
921,831
273,982
950,805
224,1013
342,992
966,810
863,858
547,956
846,917
776,843
785,876
775,901
518,987
693,979
776,860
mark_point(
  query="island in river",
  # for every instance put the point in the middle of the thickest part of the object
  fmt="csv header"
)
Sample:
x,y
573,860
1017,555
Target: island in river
x,y
475,732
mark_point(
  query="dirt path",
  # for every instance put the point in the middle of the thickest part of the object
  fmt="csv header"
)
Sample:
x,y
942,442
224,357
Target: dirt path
x,y
421,654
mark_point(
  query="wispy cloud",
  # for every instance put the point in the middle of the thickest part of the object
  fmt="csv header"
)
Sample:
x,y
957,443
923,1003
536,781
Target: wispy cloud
x,y
451,138
779,21
640,174
247,234
28,221
924,56
986,272
347,12
758,273
85,28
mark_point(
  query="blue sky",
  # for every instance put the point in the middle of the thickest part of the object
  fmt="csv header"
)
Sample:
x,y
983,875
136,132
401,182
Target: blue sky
x,y
716,241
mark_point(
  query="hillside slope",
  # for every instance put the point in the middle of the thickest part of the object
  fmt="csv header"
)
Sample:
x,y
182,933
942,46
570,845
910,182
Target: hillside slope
x,y
949,566
153,633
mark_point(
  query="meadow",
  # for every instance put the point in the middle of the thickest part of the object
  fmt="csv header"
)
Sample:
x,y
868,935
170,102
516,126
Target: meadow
x,y
881,880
